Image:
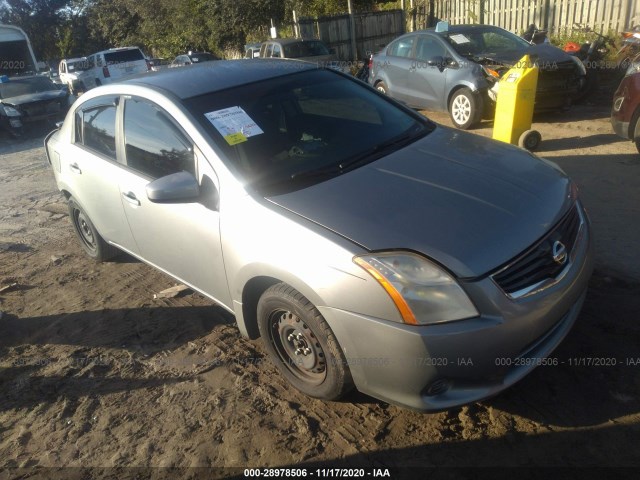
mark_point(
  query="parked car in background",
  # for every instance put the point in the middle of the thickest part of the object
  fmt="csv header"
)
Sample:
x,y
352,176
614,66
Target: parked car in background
x,y
458,69
53,74
114,65
24,100
252,50
625,114
73,71
192,58
363,243
157,64
315,51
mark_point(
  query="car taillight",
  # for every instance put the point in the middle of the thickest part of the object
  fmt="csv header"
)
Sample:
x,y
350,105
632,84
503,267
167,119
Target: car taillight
x,y
105,72
370,61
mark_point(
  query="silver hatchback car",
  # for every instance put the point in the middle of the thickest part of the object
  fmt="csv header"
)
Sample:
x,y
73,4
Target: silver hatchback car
x,y
365,245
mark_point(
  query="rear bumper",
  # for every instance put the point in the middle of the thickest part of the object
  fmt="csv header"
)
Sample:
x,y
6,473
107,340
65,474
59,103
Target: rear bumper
x,y
438,367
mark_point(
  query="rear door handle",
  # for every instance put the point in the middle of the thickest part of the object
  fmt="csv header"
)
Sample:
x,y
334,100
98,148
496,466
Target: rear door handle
x,y
75,168
131,198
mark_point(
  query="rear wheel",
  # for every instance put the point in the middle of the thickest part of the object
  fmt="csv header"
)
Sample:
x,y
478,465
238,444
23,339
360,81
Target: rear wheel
x,y
91,241
465,108
301,343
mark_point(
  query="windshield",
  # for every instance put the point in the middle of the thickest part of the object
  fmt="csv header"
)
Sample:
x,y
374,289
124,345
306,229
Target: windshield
x,y
25,86
286,133
485,42
305,49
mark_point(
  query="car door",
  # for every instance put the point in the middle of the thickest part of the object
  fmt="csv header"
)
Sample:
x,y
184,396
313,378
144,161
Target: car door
x,y
426,83
181,238
92,171
396,69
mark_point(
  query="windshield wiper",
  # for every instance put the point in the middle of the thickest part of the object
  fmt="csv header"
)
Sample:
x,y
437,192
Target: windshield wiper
x,y
365,157
382,148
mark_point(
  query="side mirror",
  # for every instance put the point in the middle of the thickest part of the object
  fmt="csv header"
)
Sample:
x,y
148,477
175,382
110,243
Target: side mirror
x,y
181,187
437,61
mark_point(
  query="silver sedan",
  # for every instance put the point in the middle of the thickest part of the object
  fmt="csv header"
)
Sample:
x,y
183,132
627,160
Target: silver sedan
x,y
365,245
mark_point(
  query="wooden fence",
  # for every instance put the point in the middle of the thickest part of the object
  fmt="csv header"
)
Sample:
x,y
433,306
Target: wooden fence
x,y
373,30
515,15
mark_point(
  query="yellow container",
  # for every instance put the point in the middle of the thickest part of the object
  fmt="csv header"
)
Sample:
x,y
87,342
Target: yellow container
x,y
514,107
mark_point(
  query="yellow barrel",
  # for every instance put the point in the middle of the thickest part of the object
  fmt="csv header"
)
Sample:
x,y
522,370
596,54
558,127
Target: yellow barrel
x,y
516,97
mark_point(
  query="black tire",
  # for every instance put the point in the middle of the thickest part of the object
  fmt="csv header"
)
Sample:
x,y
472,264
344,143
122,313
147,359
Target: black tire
x,y
90,240
382,88
290,323
465,108
530,139
589,86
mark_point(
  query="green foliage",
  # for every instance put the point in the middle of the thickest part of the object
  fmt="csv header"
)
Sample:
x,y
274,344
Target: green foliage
x,y
580,36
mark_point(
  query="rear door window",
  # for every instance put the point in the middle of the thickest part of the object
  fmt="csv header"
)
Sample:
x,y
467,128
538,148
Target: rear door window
x,y
123,56
99,130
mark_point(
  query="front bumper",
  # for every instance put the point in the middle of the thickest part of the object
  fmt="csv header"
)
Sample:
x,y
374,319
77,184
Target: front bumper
x,y
620,128
438,367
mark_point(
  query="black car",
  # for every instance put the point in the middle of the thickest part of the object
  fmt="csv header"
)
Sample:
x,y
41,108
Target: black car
x,y
29,99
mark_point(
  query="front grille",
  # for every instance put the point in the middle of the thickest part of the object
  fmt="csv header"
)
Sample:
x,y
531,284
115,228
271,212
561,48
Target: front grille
x,y
557,77
37,109
537,264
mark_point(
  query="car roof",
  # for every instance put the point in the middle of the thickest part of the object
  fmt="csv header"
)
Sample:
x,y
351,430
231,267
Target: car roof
x,y
209,77
78,59
468,27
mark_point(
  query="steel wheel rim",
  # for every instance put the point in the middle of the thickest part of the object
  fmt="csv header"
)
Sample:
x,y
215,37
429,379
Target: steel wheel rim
x,y
298,347
85,231
461,109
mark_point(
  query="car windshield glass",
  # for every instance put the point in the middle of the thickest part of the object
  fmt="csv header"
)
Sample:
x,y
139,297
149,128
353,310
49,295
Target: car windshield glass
x,y
481,42
25,86
123,56
286,133
305,49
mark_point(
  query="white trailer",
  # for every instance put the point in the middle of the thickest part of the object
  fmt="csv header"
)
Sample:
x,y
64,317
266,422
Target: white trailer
x,y
16,54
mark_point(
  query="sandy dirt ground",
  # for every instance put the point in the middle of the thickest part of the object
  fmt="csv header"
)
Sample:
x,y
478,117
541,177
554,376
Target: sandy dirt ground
x,y
95,372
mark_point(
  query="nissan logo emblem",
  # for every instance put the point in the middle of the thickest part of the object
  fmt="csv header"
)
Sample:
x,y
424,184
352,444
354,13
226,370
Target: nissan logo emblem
x,y
559,252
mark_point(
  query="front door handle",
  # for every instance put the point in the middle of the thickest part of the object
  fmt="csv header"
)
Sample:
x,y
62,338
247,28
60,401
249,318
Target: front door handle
x,y
131,198
75,168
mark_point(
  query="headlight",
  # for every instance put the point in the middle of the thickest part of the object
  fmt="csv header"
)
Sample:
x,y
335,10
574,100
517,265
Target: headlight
x,y
579,64
10,111
423,292
633,68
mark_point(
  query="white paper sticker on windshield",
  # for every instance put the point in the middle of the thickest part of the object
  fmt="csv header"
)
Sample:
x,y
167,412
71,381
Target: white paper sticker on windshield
x,y
234,124
459,38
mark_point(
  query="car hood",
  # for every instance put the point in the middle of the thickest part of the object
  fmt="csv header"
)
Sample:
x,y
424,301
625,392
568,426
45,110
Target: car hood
x,y
467,202
547,55
34,97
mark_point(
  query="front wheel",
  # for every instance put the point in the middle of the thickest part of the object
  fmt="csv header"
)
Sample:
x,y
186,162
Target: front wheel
x,y
465,108
301,343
